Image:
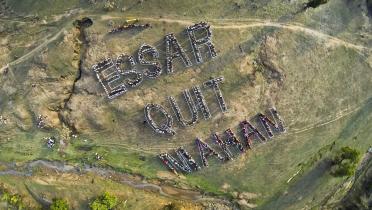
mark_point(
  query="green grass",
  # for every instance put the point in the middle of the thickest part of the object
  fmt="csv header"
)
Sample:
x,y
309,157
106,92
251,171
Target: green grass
x,y
320,83
44,8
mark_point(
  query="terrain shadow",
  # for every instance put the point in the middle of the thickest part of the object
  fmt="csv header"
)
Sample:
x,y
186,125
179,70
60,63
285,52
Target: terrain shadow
x,y
301,188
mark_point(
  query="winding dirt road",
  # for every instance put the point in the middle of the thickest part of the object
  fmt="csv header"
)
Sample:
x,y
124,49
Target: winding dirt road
x,y
253,23
217,24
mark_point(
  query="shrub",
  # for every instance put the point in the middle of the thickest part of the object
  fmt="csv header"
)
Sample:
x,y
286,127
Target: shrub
x,y
96,205
59,204
14,200
104,202
349,153
345,162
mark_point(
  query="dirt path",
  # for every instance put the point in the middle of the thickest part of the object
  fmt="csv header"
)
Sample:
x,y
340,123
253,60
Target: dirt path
x,y
323,123
35,50
298,28
231,24
50,38
217,24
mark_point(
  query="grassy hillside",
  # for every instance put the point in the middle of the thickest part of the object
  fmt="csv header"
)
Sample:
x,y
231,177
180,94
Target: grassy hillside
x,y
314,66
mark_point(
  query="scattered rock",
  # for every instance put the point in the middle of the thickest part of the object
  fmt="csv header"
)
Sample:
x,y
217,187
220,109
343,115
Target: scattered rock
x,y
3,120
235,194
248,195
244,203
225,186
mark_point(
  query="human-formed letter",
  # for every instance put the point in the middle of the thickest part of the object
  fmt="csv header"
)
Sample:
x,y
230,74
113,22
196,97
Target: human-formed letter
x,y
154,70
223,146
248,136
232,140
110,78
165,128
205,151
186,163
171,44
190,104
213,83
201,103
195,43
269,124
132,72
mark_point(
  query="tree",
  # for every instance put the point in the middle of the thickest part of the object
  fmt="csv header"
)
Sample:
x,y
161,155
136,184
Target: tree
x,y
106,201
59,204
345,162
13,200
96,205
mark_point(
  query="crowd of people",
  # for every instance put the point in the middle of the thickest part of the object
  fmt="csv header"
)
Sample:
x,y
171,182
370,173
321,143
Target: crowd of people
x,y
129,73
187,165
249,132
170,162
248,136
40,121
121,28
213,83
155,70
121,59
268,124
201,103
160,129
149,56
223,145
206,151
195,43
108,74
174,50
192,108
186,159
232,140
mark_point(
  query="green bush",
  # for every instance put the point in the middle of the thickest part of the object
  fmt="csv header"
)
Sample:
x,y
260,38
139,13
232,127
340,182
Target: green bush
x,y
59,204
104,202
345,162
349,153
14,200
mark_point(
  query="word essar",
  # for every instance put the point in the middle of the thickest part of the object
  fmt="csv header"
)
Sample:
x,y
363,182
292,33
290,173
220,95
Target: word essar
x,y
116,79
166,120
187,164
